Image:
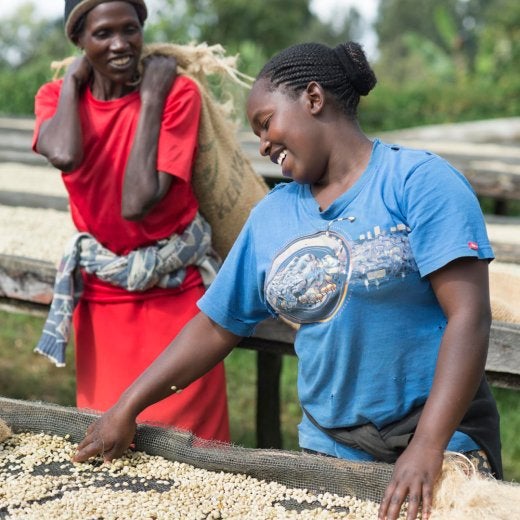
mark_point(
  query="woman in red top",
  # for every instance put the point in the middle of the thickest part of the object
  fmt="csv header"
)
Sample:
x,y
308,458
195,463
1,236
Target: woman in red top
x,y
126,144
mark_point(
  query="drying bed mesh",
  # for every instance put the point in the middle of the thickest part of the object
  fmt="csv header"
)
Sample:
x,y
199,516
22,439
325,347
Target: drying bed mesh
x,y
171,474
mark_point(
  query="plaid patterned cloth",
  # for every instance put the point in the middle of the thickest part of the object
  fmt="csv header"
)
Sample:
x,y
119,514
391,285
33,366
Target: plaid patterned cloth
x,y
160,265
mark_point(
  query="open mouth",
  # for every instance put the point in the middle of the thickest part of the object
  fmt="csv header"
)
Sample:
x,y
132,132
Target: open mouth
x,y
121,62
278,159
281,157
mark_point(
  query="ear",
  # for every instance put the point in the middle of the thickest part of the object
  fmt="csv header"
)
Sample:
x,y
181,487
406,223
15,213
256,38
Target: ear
x,y
314,97
77,40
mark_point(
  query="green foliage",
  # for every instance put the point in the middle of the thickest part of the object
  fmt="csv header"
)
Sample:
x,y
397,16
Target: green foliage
x,y
446,25
499,52
439,98
27,47
508,402
25,40
464,52
26,375
255,30
233,22
241,376
18,88
444,61
397,18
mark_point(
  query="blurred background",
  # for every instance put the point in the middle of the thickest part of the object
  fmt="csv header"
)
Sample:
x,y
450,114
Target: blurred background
x,y
436,61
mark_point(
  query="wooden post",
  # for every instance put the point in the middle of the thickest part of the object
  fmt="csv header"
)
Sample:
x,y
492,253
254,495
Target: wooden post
x,y
268,431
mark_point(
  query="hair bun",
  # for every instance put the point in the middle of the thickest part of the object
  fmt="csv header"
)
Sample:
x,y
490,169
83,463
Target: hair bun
x,y
355,64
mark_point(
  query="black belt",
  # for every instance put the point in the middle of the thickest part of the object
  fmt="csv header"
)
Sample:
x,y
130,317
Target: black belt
x,y
481,423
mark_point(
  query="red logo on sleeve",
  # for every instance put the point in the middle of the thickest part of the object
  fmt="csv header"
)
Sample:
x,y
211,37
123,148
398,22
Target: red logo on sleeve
x,y
473,245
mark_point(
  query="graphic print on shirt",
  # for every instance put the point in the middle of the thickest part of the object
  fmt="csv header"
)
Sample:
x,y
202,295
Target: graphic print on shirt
x,y
379,257
309,279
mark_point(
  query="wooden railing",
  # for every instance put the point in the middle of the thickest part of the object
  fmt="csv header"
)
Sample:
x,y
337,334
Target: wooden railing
x,y
486,152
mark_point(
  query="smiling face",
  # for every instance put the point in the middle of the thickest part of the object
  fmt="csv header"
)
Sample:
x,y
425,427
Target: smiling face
x,y
289,130
112,40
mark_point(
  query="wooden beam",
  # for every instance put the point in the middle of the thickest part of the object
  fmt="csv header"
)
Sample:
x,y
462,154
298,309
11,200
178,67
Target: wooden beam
x,y
26,279
30,281
33,200
486,152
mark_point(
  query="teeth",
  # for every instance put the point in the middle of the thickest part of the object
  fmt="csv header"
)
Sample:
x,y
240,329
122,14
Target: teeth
x,y
281,157
121,61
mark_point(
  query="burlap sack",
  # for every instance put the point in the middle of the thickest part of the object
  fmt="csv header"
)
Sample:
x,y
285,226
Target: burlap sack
x,y
224,181
504,286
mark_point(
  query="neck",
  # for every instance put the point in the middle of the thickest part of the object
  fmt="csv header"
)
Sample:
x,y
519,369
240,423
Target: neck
x,y
348,159
107,90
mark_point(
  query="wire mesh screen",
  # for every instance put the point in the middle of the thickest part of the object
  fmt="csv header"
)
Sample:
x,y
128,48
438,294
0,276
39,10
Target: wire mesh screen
x,y
171,474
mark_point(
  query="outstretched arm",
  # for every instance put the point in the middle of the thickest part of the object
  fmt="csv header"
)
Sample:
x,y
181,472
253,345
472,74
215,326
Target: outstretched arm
x,y
144,186
196,350
60,138
462,289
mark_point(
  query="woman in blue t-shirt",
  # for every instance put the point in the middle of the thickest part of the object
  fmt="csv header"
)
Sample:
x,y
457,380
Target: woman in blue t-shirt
x,y
380,254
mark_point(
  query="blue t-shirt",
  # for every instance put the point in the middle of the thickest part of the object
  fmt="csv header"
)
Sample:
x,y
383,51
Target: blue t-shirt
x,y
355,277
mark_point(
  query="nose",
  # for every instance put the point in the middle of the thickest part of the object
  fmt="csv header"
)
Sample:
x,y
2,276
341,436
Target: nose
x,y
119,42
265,146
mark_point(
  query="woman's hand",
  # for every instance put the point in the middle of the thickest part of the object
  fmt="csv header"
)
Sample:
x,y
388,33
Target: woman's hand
x,y
109,436
159,73
414,477
80,71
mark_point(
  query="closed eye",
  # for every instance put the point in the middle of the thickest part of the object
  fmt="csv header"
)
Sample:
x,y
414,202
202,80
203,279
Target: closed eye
x,y
101,35
265,123
132,29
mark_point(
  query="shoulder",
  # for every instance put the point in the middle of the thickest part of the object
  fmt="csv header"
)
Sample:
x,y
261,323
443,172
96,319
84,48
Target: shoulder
x,y
50,88
407,159
184,85
47,97
277,199
184,92
409,164
280,192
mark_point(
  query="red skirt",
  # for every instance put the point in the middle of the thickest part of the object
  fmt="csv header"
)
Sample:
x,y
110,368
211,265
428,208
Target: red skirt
x,y
116,342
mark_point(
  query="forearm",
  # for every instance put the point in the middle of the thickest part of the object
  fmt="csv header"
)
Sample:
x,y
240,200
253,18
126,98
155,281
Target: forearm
x,y
462,290
144,186
196,350
60,138
459,370
141,188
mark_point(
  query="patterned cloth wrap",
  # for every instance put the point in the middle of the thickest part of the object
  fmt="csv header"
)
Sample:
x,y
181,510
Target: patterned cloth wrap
x,y
160,265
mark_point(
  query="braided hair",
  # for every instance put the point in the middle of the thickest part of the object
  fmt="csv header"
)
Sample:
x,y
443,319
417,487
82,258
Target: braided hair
x,y
343,71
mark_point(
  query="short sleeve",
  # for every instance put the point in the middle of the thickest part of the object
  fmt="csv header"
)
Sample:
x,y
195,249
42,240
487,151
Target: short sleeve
x,y
45,105
179,130
444,216
235,300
